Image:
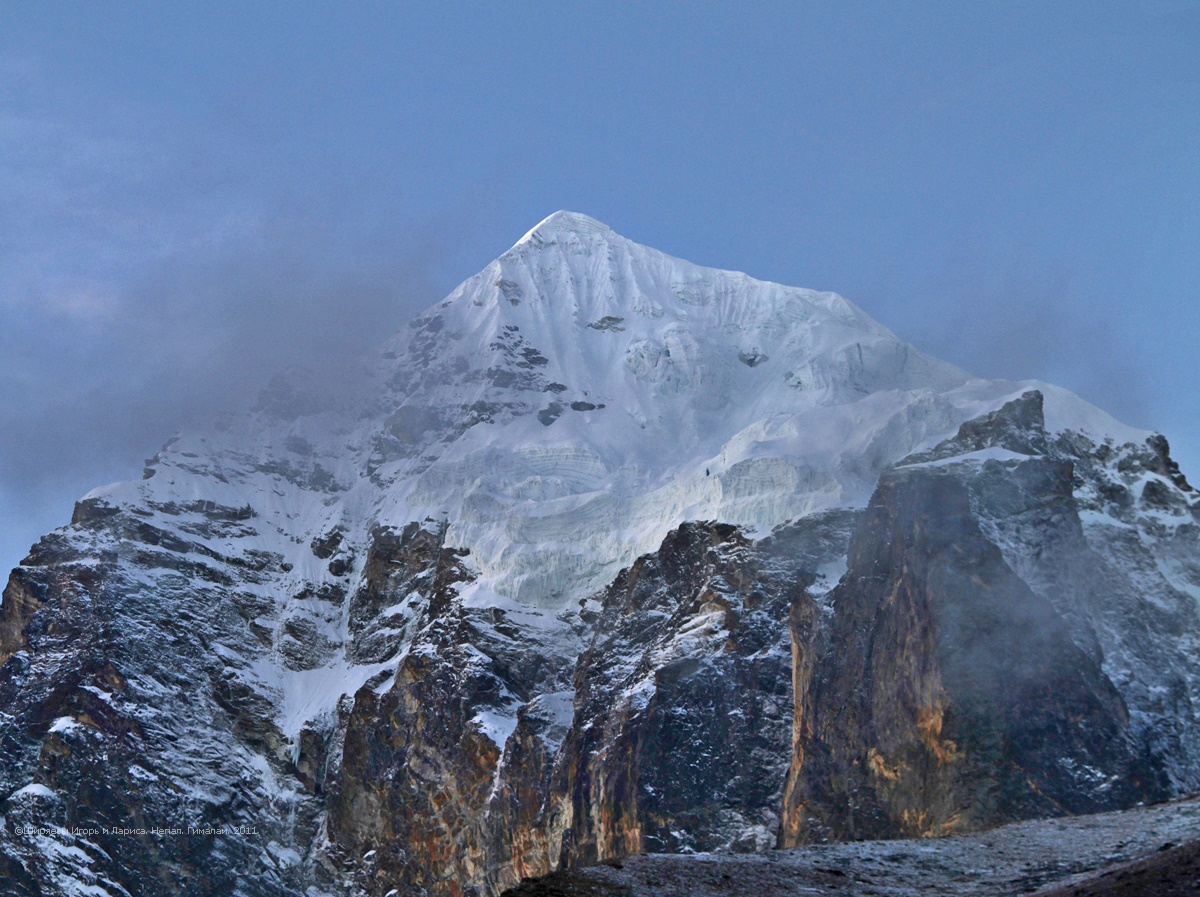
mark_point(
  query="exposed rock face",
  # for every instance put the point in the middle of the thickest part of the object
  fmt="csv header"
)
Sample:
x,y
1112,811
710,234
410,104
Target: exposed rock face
x,y
946,694
955,698
123,734
670,731
421,784
614,554
683,698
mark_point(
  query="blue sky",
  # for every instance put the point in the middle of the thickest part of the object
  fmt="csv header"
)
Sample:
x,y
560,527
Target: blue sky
x,y
193,195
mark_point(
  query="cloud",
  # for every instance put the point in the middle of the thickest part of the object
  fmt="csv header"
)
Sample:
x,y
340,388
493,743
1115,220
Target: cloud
x,y
137,298
1007,313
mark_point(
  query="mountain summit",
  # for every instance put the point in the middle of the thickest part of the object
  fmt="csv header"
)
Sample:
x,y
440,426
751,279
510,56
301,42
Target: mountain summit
x,y
591,387
613,553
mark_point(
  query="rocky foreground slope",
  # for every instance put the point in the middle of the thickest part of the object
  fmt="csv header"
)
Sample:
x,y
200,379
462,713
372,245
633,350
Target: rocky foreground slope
x,y
1145,852
606,554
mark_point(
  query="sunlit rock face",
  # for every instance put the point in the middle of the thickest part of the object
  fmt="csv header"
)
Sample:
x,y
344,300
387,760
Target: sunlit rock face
x,y
606,553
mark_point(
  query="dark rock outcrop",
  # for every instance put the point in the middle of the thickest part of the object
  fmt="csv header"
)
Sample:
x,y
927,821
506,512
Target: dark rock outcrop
x,y
682,708
682,697
947,696
121,729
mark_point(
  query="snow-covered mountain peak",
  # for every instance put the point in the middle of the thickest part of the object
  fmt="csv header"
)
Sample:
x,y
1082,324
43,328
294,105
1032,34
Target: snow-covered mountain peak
x,y
339,619
591,252
562,223
565,408
572,277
